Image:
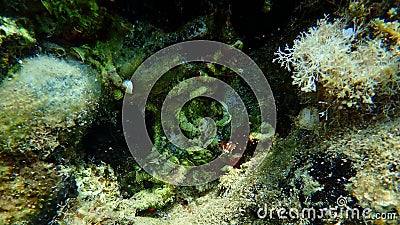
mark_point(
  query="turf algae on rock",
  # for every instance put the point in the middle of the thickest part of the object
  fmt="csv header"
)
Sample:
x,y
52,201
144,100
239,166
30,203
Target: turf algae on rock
x,y
46,105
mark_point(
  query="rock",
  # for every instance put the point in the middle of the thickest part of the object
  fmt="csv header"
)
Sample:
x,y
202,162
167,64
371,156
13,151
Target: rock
x,y
44,111
48,105
31,190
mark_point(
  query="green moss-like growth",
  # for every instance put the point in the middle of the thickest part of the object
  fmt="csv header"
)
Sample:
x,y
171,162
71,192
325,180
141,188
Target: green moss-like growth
x,y
192,124
16,36
191,116
84,19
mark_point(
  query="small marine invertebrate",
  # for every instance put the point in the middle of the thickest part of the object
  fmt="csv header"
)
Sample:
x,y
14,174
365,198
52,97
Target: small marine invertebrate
x,y
128,85
308,118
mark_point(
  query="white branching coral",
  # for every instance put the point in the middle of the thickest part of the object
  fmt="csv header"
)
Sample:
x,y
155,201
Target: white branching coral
x,y
347,69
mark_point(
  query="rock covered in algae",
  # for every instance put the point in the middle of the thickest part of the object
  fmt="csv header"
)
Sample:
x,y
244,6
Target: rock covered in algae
x,y
376,156
360,168
47,104
16,36
99,200
31,190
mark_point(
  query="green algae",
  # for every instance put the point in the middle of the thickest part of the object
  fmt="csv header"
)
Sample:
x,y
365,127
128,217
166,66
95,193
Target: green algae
x,y
16,35
77,18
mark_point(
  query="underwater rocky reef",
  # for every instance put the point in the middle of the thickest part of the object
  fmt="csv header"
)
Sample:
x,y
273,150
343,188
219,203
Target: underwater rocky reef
x,y
327,151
